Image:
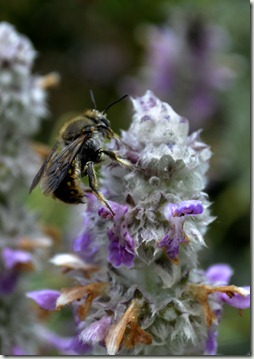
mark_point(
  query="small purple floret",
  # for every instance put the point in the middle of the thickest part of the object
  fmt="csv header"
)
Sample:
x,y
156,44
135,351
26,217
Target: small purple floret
x,y
12,257
96,331
18,351
45,298
121,249
172,247
219,274
238,301
77,347
175,213
85,244
8,281
119,210
173,238
211,341
121,244
105,213
184,208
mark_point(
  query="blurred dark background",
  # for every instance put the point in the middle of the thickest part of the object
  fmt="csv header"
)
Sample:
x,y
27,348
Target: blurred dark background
x,y
194,54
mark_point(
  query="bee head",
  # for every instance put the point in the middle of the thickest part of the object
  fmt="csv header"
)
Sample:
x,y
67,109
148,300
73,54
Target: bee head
x,y
103,125
87,122
103,121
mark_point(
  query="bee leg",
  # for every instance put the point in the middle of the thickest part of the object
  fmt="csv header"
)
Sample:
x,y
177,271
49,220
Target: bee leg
x,y
114,157
92,179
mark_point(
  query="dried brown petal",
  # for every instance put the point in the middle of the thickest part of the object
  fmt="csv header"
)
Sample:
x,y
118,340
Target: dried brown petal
x,y
201,293
84,308
73,262
126,330
50,80
69,295
29,244
135,335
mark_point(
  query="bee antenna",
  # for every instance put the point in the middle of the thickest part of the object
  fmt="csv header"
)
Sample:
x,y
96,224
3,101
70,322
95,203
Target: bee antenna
x,y
113,103
92,98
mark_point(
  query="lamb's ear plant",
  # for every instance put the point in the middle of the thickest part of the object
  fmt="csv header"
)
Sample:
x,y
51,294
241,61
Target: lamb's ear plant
x,y
138,288
23,245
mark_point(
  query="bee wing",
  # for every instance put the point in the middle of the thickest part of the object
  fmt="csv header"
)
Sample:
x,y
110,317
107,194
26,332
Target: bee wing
x,y
60,164
41,171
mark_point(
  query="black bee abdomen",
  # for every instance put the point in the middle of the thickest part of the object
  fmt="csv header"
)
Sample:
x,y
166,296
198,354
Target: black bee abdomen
x,y
71,189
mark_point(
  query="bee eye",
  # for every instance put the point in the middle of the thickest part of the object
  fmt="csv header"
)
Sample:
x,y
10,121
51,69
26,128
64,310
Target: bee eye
x,y
105,121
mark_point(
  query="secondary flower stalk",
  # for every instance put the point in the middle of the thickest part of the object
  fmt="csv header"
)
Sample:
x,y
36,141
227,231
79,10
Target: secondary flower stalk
x,y
22,241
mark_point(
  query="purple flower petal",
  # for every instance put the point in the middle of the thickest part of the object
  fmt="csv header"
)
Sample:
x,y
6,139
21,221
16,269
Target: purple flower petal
x,y
8,281
184,208
175,213
121,250
45,298
219,274
105,213
212,333
12,257
58,342
96,331
119,210
84,244
171,245
92,202
77,347
65,345
211,341
121,244
189,208
237,301
169,210
173,238
18,351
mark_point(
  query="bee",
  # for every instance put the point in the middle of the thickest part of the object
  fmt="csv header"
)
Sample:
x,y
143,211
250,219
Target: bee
x,y
78,148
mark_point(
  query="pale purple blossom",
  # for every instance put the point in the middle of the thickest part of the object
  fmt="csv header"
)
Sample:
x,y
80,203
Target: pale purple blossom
x,y
176,213
96,331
